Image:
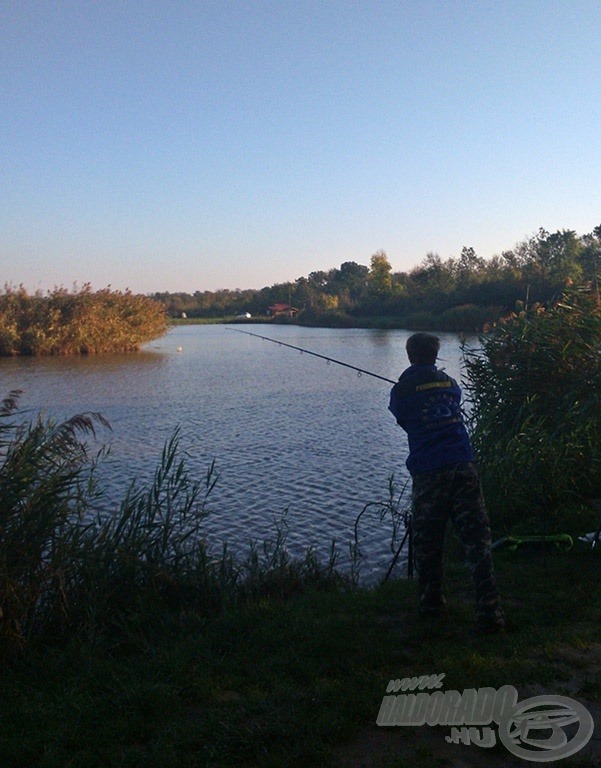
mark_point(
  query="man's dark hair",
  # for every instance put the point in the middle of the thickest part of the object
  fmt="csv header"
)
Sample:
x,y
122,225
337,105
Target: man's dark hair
x,y
422,348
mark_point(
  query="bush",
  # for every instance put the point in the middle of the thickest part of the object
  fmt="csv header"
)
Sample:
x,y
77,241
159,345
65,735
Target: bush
x,y
467,317
535,417
329,318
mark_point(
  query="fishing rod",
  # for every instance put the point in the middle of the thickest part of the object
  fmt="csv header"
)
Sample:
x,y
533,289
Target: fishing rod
x,y
360,371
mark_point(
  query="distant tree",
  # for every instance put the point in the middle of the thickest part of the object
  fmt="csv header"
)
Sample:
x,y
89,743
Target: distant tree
x,y
432,275
380,280
590,256
349,283
318,280
353,276
469,267
559,253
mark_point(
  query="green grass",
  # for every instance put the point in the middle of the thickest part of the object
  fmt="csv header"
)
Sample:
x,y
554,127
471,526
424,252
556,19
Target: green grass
x,y
291,681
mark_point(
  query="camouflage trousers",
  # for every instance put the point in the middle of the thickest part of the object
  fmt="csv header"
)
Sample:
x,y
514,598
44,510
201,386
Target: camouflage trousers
x,y
452,493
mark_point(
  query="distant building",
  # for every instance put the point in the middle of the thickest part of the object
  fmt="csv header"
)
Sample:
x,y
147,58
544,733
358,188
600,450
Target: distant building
x,y
282,309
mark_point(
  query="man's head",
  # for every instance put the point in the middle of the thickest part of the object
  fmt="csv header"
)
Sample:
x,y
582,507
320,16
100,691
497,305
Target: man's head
x,y
422,348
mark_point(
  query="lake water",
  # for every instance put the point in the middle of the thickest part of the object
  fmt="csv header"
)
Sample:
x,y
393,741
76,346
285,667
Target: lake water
x,y
287,431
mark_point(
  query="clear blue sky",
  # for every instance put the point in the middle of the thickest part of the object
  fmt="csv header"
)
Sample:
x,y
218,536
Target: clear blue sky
x,y
179,145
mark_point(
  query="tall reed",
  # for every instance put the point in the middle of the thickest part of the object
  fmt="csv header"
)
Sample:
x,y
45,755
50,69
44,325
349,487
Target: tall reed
x,y
536,422
44,492
70,570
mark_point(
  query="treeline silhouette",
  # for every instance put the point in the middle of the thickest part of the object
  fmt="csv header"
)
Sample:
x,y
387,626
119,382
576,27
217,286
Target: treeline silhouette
x,y
457,294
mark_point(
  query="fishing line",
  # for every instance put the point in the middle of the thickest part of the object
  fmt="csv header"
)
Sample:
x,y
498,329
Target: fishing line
x,y
360,371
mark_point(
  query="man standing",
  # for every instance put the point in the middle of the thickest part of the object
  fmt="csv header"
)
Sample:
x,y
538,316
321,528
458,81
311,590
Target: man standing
x,y
426,403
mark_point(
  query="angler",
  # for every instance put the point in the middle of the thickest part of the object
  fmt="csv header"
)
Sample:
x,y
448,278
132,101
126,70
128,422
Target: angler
x,y
426,403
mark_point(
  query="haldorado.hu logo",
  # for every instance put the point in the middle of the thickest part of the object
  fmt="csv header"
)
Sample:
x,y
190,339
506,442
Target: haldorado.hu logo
x,y
540,729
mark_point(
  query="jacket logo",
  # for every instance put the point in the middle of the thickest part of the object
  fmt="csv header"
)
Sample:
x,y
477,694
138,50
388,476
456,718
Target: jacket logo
x,y
434,385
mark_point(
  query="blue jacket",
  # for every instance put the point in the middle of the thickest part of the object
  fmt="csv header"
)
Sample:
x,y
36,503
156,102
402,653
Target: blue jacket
x,y
426,402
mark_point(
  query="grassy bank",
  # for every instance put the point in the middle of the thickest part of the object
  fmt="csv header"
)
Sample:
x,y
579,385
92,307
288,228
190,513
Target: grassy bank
x,y
298,681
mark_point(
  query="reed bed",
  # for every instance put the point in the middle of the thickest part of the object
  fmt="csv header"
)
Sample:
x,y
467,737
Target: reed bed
x,y
69,570
535,417
79,322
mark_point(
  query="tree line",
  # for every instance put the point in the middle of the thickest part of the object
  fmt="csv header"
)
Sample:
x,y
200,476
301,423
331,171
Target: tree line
x,y
462,293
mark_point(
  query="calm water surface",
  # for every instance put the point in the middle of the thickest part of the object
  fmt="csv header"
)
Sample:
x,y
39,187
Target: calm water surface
x,y
287,431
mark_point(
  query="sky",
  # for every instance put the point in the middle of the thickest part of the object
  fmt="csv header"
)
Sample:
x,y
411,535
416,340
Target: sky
x,y
179,145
